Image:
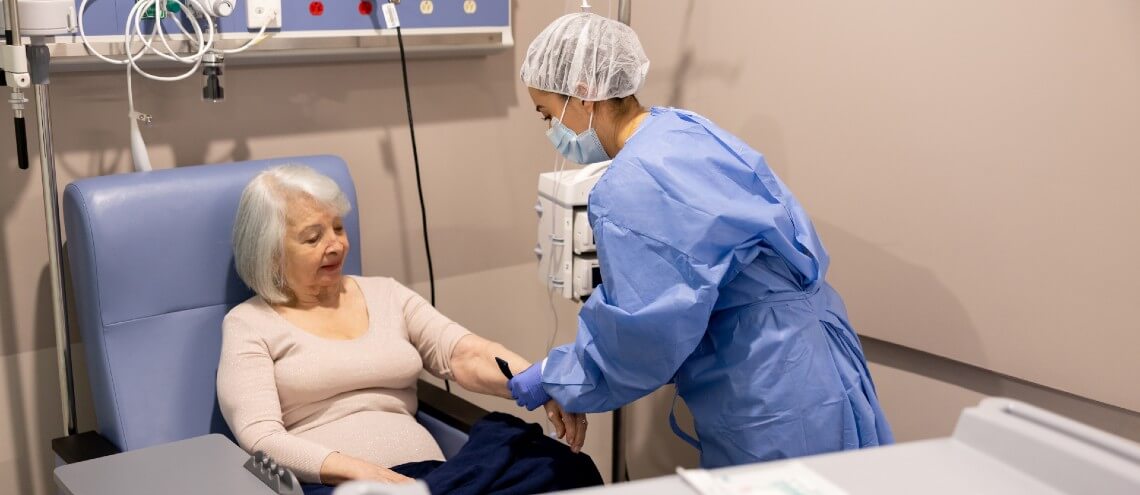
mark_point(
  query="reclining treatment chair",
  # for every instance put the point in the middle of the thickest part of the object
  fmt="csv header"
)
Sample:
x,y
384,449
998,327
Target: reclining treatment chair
x,y
153,276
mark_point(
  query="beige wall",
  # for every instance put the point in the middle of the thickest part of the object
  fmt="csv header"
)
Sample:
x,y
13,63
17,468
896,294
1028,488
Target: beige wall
x,y
969,164
923,394
970,167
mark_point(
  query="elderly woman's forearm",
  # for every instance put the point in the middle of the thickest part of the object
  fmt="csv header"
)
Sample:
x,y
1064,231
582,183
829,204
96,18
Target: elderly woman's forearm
x,y
474,367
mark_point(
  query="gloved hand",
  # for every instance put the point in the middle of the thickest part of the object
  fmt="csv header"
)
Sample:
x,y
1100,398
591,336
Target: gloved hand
x,y
526,388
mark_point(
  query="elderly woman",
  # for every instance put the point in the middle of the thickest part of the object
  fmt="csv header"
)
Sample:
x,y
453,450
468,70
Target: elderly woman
x,y
319,369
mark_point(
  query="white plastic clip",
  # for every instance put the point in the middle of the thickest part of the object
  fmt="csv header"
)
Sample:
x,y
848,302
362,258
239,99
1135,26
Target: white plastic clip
x,y
14,62
391,18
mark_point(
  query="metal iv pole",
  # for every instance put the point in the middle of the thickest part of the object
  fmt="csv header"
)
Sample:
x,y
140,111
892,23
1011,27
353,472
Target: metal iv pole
x,y
39,60
28,65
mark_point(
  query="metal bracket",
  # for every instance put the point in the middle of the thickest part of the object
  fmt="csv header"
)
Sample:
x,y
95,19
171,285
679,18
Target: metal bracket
x,y
277,478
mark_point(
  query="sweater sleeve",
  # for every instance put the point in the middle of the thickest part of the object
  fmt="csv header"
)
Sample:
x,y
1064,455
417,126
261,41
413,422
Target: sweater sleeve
x,y
434,335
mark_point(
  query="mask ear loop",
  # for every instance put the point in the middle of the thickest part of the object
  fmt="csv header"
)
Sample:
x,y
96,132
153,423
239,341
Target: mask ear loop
x,y
589,125
564,107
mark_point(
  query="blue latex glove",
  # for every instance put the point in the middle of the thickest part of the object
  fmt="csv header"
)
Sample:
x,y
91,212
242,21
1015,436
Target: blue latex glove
x,y
526,388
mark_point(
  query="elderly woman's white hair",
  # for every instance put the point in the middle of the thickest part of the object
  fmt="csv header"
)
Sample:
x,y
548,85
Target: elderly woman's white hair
x,y
259,228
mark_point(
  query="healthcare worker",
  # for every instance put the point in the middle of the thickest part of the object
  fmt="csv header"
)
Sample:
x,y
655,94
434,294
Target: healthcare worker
x,y
713,275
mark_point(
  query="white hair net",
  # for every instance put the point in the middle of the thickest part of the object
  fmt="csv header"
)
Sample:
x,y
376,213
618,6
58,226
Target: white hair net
x,y
586,56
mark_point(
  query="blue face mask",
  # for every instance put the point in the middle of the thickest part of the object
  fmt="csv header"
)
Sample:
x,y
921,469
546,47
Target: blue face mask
x,y
584,148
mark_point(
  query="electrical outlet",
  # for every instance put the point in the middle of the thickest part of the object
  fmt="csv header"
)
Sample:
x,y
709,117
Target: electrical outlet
x,y
257,12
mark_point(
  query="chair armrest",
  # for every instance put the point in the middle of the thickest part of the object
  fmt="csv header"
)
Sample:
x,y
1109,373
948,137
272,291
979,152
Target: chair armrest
x,y
434,401
450,409
83,447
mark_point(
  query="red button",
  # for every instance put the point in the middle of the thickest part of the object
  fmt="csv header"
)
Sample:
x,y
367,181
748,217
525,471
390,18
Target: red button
x,y
316,8
365,7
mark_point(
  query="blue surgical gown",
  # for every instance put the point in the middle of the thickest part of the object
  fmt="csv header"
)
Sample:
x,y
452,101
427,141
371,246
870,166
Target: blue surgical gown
x,y
714,278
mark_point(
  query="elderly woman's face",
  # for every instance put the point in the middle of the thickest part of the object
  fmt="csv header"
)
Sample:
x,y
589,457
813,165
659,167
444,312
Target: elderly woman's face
x,y
315,245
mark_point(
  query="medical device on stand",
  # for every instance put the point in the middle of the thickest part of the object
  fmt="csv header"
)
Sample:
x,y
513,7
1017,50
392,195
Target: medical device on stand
x,y
567,256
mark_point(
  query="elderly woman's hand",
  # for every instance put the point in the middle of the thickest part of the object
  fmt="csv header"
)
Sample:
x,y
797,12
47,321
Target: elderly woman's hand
x,y
568,426
339,468
383,475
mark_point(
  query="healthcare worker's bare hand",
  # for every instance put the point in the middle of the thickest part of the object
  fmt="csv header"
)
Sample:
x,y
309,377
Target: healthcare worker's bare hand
x,y
570,427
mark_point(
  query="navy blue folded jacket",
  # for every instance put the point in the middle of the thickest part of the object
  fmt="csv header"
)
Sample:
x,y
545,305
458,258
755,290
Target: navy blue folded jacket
x,y
503,456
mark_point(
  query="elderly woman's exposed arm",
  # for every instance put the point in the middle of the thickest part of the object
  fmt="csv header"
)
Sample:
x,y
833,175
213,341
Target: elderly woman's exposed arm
x,y
450,351
474,368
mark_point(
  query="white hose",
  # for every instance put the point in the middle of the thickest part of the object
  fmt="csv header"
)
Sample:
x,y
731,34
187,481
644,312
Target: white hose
x,y
203,40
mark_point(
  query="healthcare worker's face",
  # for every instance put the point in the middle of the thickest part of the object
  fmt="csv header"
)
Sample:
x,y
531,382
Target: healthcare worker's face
x,y
578,112
315,246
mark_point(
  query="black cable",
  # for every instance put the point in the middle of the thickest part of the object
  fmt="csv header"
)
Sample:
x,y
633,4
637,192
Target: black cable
x,y
21,142
419,183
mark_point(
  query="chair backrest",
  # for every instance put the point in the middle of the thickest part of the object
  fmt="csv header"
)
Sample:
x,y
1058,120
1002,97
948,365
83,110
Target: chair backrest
x,y
153,276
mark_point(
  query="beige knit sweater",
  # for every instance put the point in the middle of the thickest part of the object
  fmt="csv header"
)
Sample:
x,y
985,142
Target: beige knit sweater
x,y
300,397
